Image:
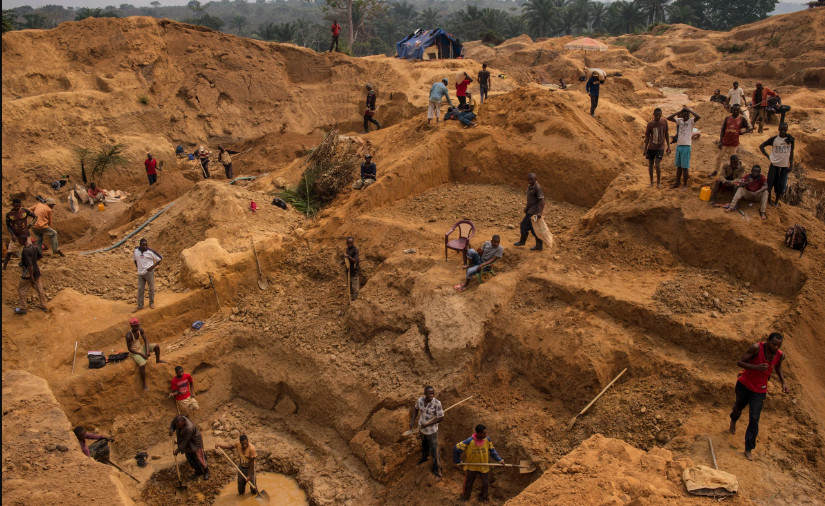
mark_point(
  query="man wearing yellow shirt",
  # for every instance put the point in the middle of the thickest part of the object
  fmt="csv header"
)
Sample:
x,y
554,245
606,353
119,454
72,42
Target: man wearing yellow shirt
x,y
477,449
247,454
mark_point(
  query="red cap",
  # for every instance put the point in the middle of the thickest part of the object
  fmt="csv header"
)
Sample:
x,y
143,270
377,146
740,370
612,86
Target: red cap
x,y
134,321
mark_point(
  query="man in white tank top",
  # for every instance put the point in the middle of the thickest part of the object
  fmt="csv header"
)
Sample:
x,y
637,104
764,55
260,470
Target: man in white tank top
x,y
781,158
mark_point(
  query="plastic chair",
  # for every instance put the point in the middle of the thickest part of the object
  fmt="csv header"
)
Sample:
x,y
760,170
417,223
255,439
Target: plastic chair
x,y
466,231
486,270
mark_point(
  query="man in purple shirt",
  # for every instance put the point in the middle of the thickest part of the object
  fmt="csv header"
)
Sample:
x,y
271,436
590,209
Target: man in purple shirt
x,y
82,436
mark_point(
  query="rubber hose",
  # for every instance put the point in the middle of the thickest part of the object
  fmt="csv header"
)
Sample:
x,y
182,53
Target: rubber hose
x,y
242,178
131,234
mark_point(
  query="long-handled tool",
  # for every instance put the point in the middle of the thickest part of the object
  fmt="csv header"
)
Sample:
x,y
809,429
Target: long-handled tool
x,y
524,466
181,490
413,431
121,470
712,454
262,284
74,360
261,496
216,292
573,420
349,289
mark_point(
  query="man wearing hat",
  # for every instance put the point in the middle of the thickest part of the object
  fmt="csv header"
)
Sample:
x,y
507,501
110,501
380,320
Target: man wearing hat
x,y
370,111
203,157
226,160
151,169
139,348
437,91
367,174
43,225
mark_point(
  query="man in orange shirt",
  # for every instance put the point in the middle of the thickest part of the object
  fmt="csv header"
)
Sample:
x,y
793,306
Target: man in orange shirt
x,y
760,104
43,225
336,30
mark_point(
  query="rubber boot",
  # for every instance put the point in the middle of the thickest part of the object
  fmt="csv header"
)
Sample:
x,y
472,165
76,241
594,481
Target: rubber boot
x,y
378,125
521,240
539,245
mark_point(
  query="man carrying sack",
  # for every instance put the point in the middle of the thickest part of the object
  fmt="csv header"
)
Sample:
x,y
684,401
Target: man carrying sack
x,y
183,389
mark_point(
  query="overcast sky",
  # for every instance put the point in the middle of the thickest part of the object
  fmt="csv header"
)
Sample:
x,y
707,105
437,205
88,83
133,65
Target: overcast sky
x,y
8,4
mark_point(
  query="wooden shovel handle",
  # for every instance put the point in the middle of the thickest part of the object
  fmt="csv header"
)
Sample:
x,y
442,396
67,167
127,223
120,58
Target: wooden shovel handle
x,y
602,392
238,468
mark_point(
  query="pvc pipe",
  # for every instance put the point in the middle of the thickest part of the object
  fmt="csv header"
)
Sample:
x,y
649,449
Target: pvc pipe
x,y
131,234
242,178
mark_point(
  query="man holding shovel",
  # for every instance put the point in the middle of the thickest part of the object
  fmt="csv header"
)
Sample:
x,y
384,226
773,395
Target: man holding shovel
x,y
352,254
431,415
247,455
190,443
477,449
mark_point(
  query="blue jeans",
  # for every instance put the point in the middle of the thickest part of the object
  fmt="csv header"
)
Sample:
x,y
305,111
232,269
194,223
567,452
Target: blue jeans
x,y
467,117
475,260
153,178
40,232
754,401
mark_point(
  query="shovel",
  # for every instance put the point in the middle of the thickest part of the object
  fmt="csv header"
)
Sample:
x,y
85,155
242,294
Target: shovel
x,y
573,420
413,431
261,496
524,466
262,284
349,289
216,292
181,490
121,470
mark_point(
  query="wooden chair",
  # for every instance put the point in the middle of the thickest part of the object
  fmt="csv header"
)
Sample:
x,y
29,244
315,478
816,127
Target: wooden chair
x,y
466,231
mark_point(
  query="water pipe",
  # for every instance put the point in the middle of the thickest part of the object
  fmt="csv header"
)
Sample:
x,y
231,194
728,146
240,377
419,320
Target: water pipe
x,y
131,234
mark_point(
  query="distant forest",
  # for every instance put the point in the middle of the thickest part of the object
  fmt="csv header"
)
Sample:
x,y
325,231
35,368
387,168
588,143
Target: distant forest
x,y
377,25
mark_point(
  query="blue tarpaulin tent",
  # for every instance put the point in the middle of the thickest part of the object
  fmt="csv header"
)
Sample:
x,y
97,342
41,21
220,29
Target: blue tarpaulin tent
x,y
413,45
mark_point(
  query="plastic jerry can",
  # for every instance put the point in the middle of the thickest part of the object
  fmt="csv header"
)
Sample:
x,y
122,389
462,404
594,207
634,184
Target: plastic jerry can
x,y
101,207
704,194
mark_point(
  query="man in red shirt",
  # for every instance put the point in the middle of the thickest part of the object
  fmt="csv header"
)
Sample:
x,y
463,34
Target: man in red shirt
x,y
759,99
729,136
183,389
754,186
461,89
95,194
336,30
151,169
752,386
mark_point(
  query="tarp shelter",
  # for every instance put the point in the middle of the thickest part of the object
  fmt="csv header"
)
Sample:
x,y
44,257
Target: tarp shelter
x,y
413,45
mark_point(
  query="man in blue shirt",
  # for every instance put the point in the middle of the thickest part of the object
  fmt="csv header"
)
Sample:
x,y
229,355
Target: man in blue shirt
x,y
438,91
592,88
367,174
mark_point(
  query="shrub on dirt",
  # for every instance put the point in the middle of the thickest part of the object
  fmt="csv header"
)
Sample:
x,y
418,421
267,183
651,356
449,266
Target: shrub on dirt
x,y
631,43
143,99
731,48
797,186
109,156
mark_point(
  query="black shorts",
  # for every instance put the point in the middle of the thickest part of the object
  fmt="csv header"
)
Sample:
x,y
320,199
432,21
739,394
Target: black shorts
x,y
655,154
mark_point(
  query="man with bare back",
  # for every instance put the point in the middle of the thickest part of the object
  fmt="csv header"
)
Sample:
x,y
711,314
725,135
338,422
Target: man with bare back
x,y
139,348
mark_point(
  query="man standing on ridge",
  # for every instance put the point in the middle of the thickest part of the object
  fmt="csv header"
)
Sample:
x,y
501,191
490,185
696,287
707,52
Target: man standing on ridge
x,y
484,81
431,414
461,89
370,111
151,169
684,137
752,386
656,140
729,136
226,160
534,207
760,104
146,260
336,30
437,91
736,96
781,158
592,88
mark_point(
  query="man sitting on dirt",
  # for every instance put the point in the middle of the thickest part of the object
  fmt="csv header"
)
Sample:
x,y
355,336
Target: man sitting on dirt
x,y
179,151
781,159
490,252
477,449
226,161
534,207
146,260
183,390
467,115
368,174
684,138
190,443
30,278
656,140
95,194
354,256
729,136
730,174
437,92
431,415
752,386
562,84
760,104
754,187
82,436
17,224
247,456
140,348
717,97
43,225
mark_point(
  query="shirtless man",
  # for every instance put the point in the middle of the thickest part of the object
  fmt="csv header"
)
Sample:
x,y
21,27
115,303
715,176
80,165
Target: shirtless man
x,y
140,350
752,386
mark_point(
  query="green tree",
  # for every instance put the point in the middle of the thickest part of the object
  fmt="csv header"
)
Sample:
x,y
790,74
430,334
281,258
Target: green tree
x,y
514,26
429,18
9,19
155,4
238,22
598,12
282,32
569,19
624,16
195,6
540,16
493,19
366,11
718,13
680,13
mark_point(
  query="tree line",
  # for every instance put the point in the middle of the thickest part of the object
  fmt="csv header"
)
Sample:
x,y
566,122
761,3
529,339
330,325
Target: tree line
x,y
375,26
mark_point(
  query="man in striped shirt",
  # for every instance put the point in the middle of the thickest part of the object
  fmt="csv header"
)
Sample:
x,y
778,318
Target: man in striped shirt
x,y
431,415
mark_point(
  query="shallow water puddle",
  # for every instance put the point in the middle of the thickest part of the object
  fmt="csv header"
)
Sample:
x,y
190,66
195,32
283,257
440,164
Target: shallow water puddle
x,y
283,490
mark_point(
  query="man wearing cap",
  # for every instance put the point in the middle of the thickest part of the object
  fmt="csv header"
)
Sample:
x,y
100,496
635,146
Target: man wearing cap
x,y
151,169
367,174
43,225
760,104
139,348
226,160
437,91
203,157
370,111
146,260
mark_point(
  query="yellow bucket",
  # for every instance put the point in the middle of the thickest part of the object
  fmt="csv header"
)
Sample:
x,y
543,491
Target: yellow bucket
x,y
704,194
101,207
